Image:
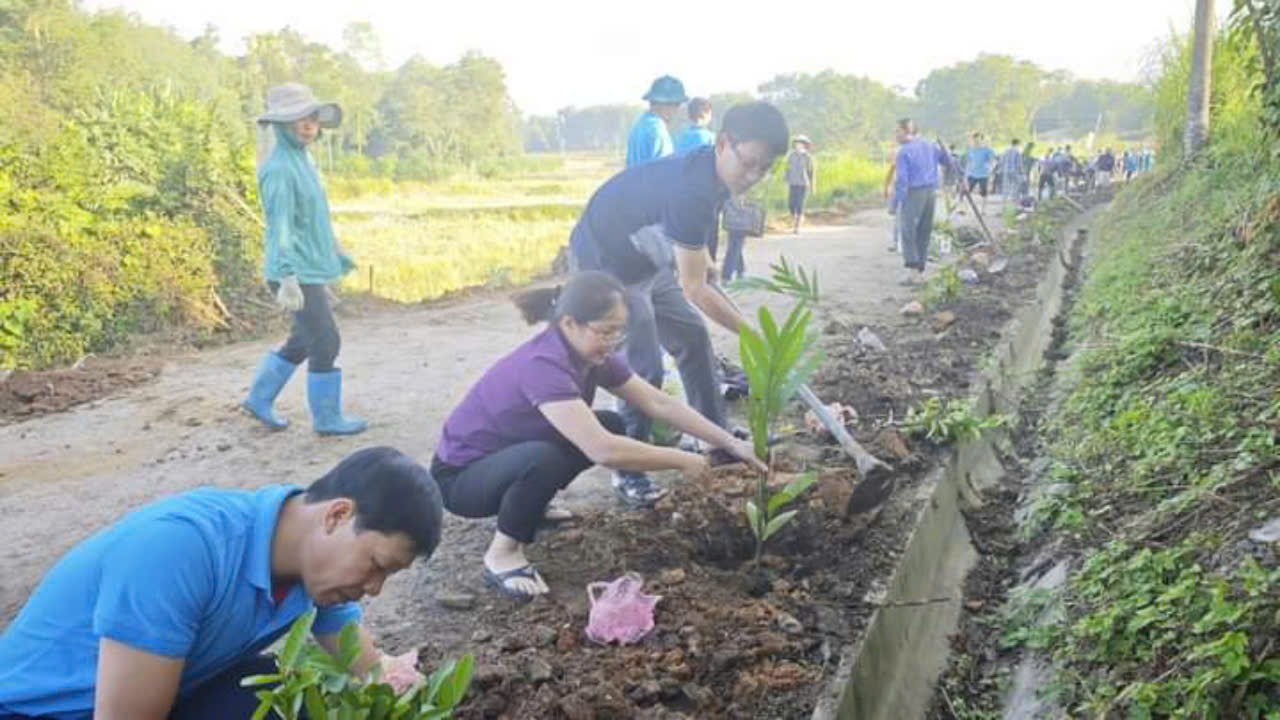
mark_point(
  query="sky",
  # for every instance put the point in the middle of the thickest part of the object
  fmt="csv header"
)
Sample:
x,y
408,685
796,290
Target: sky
x,y
577,52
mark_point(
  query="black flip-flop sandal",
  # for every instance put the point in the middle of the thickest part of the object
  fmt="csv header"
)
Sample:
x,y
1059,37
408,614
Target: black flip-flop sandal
x,y
498,581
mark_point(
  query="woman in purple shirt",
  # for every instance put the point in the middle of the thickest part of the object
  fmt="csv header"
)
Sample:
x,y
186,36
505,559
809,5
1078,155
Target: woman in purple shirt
x,y
526,429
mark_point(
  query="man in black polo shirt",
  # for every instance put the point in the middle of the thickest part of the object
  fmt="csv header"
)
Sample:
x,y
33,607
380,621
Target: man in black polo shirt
x,y
650,226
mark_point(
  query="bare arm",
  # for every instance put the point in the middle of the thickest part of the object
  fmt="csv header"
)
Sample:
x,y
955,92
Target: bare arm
x,y
574,420
692,270
134,684
369,655
661,406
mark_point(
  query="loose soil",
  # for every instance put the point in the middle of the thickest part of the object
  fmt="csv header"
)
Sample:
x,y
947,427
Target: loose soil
x,y
730,641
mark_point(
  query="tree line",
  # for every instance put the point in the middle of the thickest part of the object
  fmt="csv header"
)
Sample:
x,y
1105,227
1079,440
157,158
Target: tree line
x,y
996,94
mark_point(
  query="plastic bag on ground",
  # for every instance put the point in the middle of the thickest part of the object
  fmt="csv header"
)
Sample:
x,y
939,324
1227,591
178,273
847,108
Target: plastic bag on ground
x,y
620,610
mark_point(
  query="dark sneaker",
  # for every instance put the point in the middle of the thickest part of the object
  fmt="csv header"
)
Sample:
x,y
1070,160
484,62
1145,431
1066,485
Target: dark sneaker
x,y
636,490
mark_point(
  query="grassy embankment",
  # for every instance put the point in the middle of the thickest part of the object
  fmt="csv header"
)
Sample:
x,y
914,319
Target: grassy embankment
x,y
1166,453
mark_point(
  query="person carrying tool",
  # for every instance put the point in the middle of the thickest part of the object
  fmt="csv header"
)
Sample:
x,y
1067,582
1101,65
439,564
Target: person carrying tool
x,y
302,257
526,429
163,613
649,138
649,226
915,194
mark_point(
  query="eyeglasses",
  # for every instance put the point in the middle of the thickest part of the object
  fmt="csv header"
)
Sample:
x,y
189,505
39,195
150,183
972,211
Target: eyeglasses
x,y
757,168
614,336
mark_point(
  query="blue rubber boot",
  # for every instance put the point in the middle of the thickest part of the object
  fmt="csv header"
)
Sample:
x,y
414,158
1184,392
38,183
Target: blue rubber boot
x,y
273,373
324,392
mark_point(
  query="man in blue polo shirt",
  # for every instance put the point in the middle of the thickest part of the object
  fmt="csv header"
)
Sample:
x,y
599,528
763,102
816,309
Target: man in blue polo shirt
x,y
649,138
650,227
915,193
160,615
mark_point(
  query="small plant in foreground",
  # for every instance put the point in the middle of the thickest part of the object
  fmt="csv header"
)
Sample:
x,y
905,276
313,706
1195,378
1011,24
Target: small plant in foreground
x,y
309,677
945,286
951,421
777,361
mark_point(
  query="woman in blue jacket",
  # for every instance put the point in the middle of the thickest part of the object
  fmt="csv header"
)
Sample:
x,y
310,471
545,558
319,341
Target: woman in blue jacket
x,y
302,258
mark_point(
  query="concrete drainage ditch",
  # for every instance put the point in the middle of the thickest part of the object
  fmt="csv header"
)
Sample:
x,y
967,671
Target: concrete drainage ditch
x,y
890,672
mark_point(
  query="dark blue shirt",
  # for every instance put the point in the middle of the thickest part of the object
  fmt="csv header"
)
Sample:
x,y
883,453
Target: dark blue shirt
x,y
680,193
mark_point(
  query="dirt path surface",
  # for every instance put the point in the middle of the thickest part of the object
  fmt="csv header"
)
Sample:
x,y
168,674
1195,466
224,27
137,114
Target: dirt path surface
x,y
730,641
62,476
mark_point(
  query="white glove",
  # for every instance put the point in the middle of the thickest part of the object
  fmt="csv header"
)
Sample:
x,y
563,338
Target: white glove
x,y
289,296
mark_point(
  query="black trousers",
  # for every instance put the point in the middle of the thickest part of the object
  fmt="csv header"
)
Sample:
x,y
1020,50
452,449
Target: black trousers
x,y
795,198
221,698
314,335
517,482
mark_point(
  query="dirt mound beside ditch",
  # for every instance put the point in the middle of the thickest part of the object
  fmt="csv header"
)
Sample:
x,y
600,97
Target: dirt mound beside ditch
x,y
27,393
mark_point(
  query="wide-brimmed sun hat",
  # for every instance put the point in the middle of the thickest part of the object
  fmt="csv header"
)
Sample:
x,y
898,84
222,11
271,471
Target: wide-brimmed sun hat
x,y
666,90
294,101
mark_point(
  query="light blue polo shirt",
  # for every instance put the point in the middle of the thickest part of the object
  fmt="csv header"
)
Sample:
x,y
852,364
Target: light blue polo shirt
x,y
649,140
979,162
185,577
694,137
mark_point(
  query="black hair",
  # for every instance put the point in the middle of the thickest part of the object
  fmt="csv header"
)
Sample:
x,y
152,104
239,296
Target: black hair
x,y
757,122
586,297
392,494
698,107
906,124
1016,141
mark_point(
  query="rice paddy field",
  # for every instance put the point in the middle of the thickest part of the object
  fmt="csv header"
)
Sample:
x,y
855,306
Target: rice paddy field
x,y
416,242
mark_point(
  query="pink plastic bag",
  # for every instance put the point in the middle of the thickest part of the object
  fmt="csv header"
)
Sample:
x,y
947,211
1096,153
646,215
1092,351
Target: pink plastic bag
x,y
620,611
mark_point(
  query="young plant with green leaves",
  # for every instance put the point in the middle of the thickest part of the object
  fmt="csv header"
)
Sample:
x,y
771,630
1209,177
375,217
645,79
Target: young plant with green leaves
x,y
309,678
952,421
777,361
785,280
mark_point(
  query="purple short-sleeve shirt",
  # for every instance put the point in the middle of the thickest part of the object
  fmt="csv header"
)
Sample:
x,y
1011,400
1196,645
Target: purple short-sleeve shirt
x,y
501,409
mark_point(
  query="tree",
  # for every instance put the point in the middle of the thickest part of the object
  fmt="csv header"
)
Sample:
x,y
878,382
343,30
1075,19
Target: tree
x,y
1196,133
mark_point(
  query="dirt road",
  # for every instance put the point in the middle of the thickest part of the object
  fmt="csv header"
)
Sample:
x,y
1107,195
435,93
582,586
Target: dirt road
x,y
63,476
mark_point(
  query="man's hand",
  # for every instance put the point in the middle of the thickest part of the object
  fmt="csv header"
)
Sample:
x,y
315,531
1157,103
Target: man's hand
x,y
746,452
289,296
695,466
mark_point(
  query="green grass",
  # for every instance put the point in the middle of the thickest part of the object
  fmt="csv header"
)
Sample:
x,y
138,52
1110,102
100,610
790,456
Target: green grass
x,y
844,180
1169,447
426,240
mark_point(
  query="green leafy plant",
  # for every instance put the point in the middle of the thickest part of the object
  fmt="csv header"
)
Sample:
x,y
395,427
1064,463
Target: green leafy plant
x,y
785,280
777,361
309,677
949,422
943,287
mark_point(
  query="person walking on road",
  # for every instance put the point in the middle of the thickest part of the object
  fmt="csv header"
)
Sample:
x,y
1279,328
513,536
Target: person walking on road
x,y
1011,171
915,193
650,138
895,235
161,615
801,178
302,258
979,162
649,226
1106,166
526,429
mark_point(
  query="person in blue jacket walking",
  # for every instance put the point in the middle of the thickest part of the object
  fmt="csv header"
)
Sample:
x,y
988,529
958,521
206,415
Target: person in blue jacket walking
x,y
302,258
649,138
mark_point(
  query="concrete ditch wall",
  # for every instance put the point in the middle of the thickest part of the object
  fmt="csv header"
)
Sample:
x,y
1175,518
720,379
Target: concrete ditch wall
x,y
890,672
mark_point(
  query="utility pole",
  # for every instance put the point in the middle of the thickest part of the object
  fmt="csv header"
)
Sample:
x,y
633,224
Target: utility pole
x,y
1196,133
